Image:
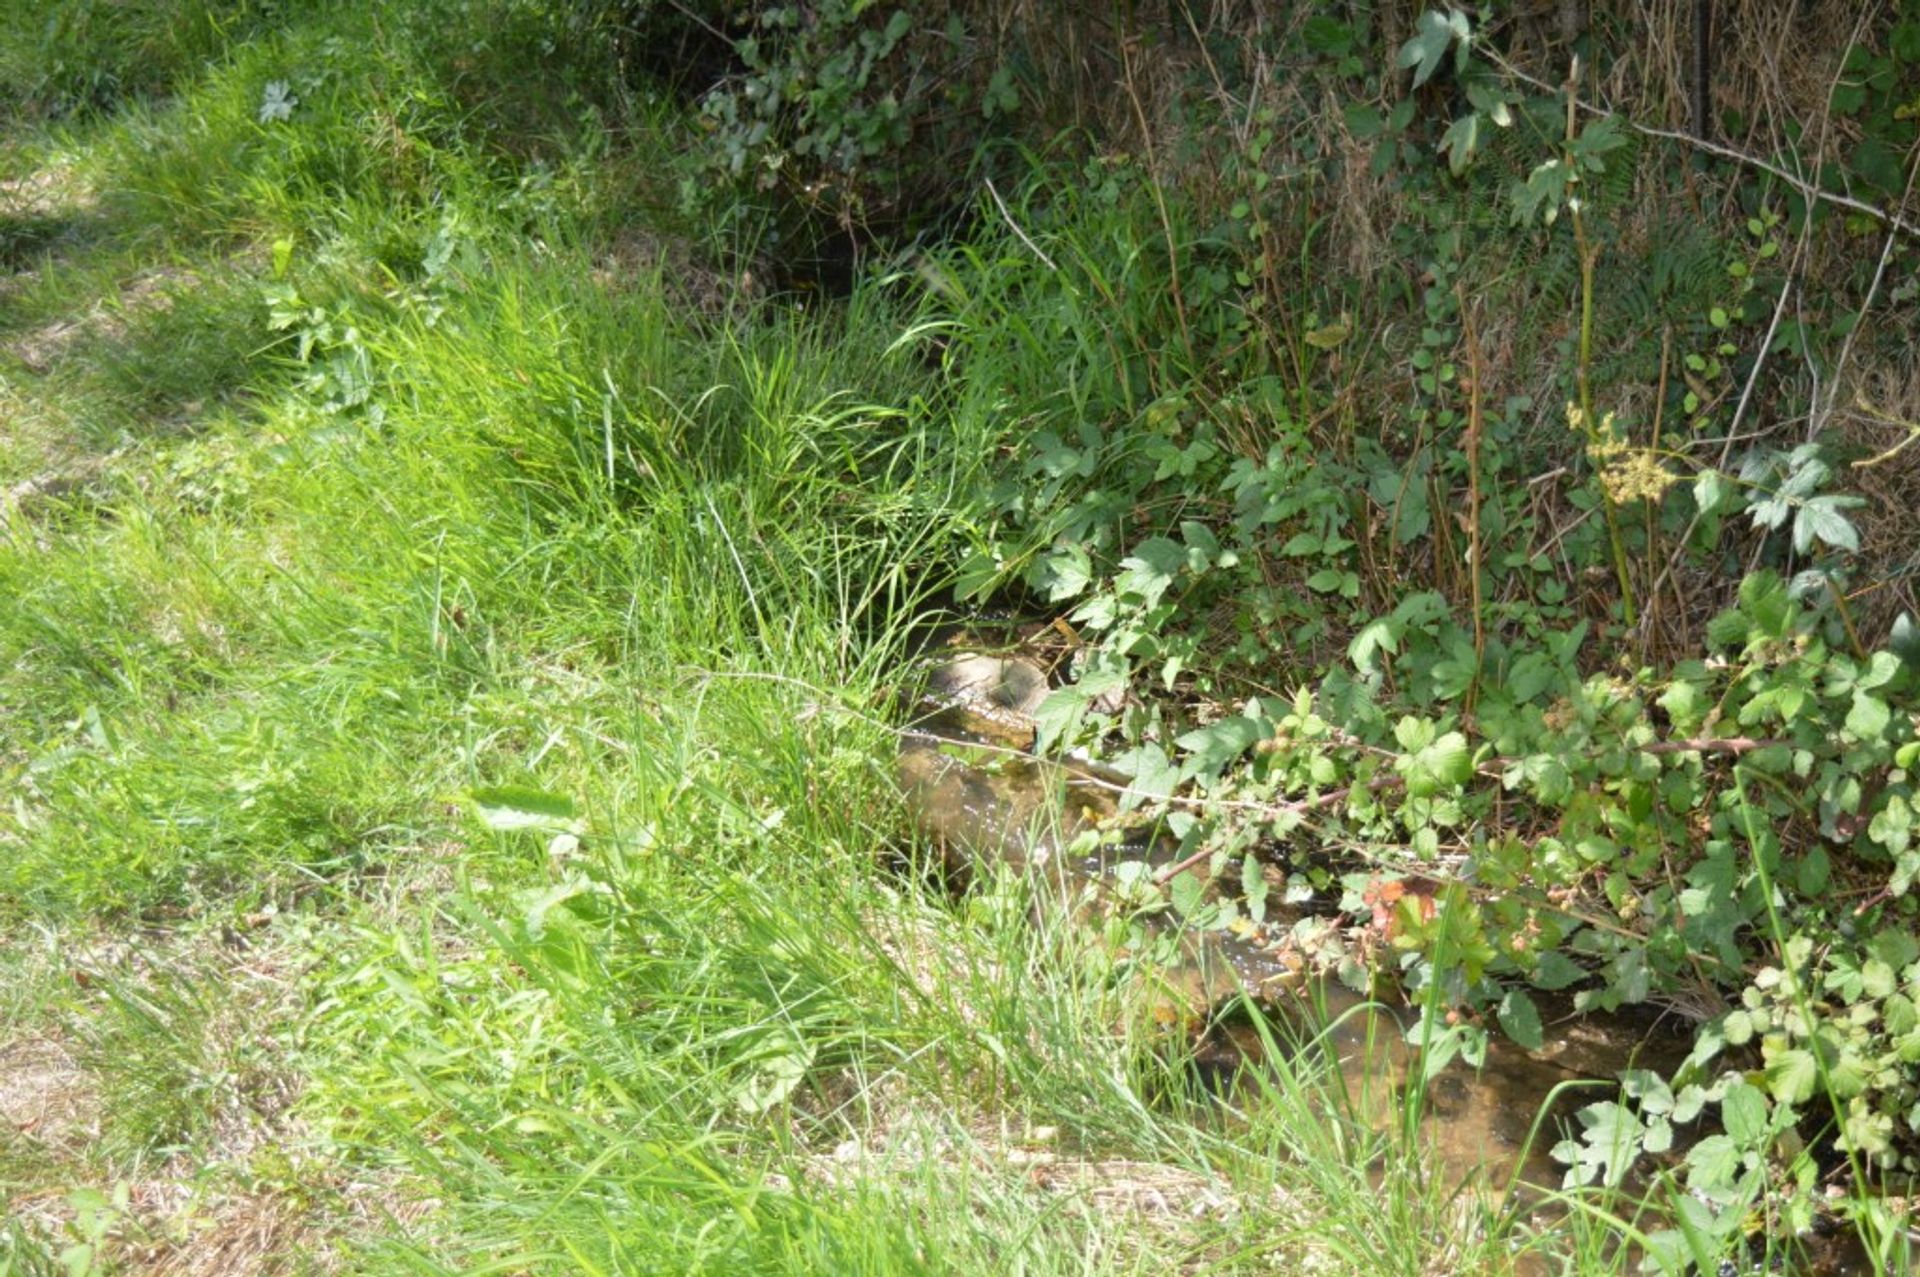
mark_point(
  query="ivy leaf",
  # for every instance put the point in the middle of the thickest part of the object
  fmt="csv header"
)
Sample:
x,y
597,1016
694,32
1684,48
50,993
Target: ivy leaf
x,y
1521,1019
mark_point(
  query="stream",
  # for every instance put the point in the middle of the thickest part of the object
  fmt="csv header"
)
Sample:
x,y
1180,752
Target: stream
x,y
978,794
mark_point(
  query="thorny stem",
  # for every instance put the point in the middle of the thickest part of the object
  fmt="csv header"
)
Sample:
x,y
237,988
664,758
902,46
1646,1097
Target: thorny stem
x,y
1846,619
1473,495
1589,254
1159,200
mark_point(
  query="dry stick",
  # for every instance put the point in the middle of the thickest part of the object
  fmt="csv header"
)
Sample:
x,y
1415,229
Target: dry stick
x,y
1808,189
1473,493
1159,199
1004,213
1912,429
1817,419
1653,521
1733,431
1589,254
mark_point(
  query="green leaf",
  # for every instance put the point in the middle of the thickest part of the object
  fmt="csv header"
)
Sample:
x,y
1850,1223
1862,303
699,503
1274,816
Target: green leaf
x,y
1059,716
1302,543
1713,1163
1792,1076
1532,674
1063,573
1684,703
1710,488
1211,748
1150,569
1445,763
1556,971
1152,773
1881,668
1459,141
1743,1113
1606,1148
1904,641
1763,597
1200,540
1187,891
1414,732
1521,1019
1379,636
1432,37
775,1078
1820,517
1868,719
1892,825
517,807
1254,886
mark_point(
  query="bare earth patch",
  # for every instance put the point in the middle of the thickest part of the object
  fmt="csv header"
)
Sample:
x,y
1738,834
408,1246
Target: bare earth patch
x,y
151,291
244,1201
46,1098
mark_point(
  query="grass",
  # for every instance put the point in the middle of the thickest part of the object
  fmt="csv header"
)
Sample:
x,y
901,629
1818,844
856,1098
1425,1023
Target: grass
x,y
281,594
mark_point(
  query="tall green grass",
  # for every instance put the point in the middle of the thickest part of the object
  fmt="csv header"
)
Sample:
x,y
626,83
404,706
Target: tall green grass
x,y
658,557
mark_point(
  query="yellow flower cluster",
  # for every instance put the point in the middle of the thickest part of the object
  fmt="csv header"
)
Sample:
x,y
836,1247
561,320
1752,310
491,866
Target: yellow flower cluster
x,y
1626,472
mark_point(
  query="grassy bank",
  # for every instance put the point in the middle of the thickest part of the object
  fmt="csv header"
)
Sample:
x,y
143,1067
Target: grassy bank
x,y
355,464
453,611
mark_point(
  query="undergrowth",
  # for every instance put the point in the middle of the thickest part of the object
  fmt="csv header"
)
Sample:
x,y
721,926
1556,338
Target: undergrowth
x,y
454,612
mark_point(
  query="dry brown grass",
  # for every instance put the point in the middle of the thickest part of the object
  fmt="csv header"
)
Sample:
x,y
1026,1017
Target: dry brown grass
x,y
255,1195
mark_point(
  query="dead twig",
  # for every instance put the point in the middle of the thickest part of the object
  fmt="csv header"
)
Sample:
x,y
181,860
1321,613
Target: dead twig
x,y
1810,190
1008,217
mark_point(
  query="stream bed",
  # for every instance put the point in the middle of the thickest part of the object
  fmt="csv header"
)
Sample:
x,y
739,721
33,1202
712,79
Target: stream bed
x,y
977,793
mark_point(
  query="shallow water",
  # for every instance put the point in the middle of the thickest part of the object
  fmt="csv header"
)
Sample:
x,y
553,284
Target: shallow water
x,y
978,795
982,807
